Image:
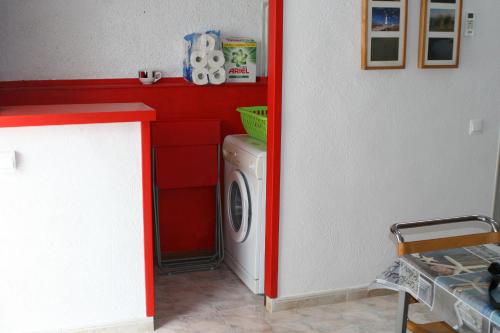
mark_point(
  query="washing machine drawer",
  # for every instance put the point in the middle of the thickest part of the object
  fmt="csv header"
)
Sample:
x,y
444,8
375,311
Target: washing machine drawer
x,y
244,161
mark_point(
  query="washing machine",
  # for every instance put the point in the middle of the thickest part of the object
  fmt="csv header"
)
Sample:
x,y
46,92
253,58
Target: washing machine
x,y
245,208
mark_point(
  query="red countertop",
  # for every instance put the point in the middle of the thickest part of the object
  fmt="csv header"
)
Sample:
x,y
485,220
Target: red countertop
x,y
67,114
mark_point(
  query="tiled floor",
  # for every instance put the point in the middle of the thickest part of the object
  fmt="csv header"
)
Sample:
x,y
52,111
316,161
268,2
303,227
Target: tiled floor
x,y
213,302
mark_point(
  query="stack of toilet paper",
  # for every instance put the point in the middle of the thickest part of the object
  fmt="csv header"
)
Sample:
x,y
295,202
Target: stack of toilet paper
x,y
204,60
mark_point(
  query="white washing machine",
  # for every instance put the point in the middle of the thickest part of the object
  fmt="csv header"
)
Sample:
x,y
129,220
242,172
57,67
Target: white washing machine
x,y
245,208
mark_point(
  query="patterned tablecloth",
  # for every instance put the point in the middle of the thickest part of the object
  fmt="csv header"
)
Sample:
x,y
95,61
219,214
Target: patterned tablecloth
x,y
453,283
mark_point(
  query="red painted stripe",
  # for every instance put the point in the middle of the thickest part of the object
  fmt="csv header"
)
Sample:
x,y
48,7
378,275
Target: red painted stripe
x,y
274,96
171,82
148,218
67,114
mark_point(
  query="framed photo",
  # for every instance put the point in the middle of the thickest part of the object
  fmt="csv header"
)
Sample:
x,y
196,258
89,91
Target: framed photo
x,y
384,34
440,33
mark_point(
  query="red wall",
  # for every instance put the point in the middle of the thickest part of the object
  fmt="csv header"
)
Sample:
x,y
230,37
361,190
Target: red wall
x,y
174,99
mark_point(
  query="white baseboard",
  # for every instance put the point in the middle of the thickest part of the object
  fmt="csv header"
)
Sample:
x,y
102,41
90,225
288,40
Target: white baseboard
x,y
323,298
145,325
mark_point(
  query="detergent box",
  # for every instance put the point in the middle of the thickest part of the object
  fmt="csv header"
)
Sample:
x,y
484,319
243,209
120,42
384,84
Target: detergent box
x,y
241,59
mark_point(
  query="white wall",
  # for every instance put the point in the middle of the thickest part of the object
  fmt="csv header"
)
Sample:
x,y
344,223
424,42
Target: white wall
x,y
365,149
497,194
74,39
70,257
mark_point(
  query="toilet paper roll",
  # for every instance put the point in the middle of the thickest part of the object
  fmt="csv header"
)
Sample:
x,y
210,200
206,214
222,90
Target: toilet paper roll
x,y
216,59
200,76
217,76
206,43
198,59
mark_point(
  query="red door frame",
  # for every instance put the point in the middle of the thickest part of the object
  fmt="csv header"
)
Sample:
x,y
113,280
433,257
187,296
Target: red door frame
x,y
274,102
147,192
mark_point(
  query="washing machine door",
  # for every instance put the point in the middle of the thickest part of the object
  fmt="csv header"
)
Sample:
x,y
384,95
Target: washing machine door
x,y
239,211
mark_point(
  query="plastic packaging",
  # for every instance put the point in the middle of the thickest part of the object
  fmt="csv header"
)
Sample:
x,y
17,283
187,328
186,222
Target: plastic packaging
x,y
203,55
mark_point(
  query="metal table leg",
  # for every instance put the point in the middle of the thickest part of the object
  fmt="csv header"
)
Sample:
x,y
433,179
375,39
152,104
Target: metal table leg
x,y
156,212
402,316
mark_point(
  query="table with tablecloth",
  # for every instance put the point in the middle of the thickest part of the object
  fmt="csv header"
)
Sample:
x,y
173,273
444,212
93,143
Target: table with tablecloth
x,y
453,283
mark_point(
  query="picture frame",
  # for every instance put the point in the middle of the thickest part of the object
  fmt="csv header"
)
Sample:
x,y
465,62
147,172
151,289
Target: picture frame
x,y
440,33
384,34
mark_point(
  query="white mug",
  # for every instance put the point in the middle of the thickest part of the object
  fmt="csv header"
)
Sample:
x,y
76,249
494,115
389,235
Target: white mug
x,y
149,76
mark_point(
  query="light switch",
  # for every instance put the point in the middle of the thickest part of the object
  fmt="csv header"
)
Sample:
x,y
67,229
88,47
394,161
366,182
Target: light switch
x,y
7,161
476,126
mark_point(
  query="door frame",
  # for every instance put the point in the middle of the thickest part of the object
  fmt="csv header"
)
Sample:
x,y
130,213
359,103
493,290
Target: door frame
x,y
274,103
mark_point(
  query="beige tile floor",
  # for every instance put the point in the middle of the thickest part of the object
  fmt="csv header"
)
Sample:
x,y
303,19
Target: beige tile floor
x,y
217,302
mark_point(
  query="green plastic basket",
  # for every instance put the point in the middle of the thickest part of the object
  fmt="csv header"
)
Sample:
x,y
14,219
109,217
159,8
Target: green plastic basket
x,y
254,121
